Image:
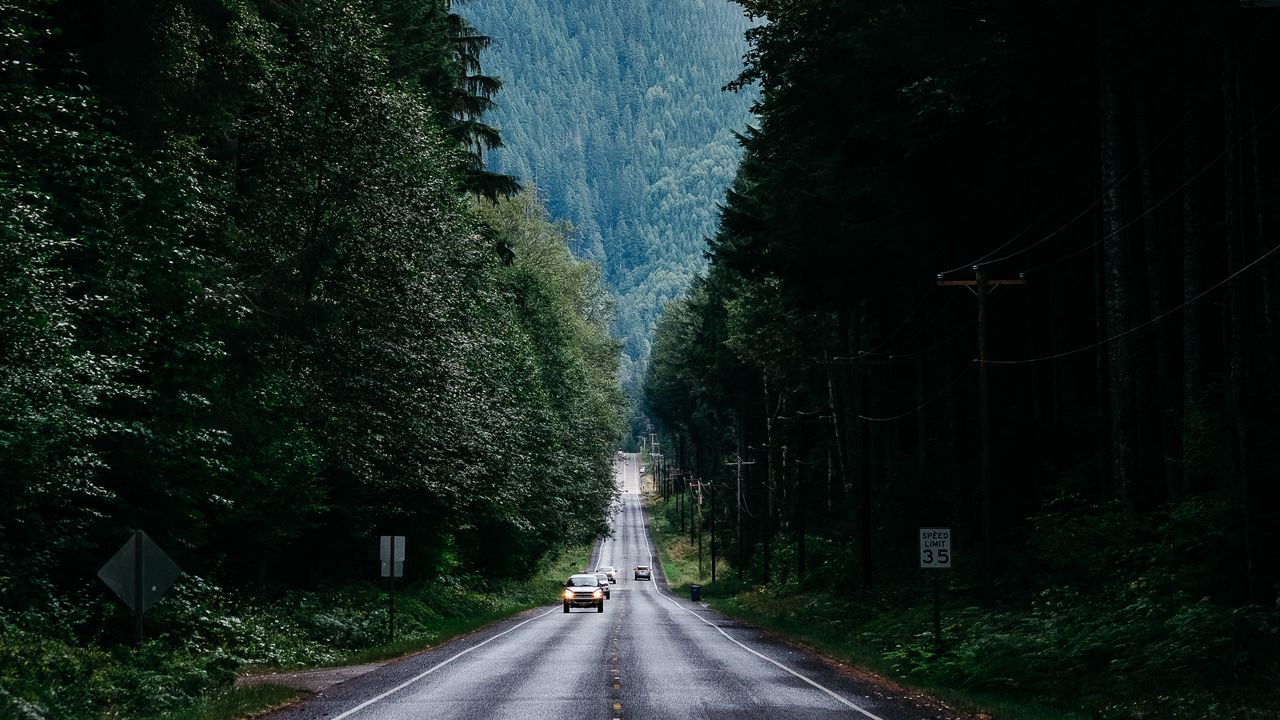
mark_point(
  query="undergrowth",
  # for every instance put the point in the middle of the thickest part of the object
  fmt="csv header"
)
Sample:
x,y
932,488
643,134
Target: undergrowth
x,y
68,661
1129,639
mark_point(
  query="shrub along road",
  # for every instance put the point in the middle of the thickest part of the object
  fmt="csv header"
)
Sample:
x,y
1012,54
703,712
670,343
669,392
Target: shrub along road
x,y
648,655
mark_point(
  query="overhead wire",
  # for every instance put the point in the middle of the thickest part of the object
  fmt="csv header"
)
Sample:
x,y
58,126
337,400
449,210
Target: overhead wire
x,y
941,311
922,405
1154,206
984,260
1139,326
1256,37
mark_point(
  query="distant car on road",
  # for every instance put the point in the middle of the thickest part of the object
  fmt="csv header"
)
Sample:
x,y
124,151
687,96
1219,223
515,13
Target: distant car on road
x,y
583,591
643,572
604,583
609,570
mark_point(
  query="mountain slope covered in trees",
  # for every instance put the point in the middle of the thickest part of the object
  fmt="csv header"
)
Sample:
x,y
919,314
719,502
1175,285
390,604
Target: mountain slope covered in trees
x,y
614,110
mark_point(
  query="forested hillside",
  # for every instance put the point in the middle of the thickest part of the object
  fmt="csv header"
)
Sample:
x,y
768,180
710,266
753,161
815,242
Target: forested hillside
x,y
614,110
1009,269
254,301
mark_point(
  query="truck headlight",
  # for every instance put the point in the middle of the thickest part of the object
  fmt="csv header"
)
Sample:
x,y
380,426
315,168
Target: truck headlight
x,y
568,594
598,593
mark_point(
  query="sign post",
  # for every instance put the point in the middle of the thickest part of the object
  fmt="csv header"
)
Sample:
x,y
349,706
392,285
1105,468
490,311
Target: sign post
x,y
935,554
392,553
139,573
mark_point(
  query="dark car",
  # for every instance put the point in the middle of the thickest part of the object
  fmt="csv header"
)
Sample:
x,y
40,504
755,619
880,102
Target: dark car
x,y
643,572
604,583
583,591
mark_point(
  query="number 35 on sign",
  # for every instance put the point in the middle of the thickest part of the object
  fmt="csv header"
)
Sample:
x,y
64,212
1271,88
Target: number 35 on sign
x,y
935,547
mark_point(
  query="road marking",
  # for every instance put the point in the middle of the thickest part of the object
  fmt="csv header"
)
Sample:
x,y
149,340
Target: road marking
x,y
418,677
673,601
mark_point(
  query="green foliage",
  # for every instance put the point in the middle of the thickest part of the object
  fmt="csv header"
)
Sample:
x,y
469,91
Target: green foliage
x,y
235,703
249,303
1124,640
200,636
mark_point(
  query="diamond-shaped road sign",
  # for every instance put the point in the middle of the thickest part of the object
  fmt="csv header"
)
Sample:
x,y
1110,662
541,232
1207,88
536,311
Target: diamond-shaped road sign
x,y
139,554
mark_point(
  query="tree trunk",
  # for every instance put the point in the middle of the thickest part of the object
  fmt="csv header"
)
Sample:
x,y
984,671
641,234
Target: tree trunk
x,y
1159,395
1241,384
1115,280
837,434
771,479
1194,231
863,452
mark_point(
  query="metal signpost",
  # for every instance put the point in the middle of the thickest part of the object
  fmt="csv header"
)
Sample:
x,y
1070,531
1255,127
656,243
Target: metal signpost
x,y
935,554
140,573
392,554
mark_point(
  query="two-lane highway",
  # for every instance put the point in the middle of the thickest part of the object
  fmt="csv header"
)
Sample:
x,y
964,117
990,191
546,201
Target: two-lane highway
x,y
649,655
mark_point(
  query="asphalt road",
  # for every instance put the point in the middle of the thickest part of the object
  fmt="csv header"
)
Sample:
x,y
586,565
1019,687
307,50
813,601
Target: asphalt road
x,y
649,655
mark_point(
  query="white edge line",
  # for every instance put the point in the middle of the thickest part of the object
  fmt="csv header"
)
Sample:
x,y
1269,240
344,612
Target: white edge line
x,y
717,628
418,677
477,646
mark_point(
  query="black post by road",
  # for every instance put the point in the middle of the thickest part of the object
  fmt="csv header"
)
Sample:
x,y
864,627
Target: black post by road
x,y
137,586
391,624
937,613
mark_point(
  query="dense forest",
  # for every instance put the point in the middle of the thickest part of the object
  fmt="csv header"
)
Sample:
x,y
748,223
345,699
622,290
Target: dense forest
x,y
259,298
614,110
1010,269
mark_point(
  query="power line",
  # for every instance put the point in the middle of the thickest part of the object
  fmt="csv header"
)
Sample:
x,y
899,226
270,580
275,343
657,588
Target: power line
x,y
1164,199
935,346
984,259
1007,243
924,404
941,311
1140,326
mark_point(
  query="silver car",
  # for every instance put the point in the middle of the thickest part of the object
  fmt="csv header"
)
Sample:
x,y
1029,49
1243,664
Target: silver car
x,y
643,572
583,591
604,583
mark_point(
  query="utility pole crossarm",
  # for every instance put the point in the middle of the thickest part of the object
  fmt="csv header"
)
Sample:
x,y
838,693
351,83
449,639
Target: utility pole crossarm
x,y
974,283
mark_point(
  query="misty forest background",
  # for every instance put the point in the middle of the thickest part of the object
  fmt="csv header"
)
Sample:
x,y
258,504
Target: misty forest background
x,y
278,277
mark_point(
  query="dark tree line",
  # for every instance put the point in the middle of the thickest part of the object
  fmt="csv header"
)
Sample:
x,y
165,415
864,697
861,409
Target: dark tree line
x,y
1119,159
254,299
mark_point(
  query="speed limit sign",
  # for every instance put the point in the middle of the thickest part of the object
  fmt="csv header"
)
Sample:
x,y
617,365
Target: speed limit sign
x,y
935,547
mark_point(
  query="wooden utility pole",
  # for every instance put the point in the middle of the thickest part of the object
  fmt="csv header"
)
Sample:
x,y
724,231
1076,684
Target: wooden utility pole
x,y
861,495
679,480
696,485
980,287
737,525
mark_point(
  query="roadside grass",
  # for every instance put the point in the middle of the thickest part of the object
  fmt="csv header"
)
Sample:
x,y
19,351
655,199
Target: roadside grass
x,y
200,637
1061,658
235,703
510,598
